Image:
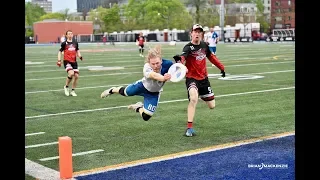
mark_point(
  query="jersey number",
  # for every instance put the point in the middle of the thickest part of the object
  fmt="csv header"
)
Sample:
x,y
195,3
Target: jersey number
x,y
151,107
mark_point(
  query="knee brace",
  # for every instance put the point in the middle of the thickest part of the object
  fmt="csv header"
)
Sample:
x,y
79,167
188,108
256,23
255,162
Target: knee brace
x,y
145,116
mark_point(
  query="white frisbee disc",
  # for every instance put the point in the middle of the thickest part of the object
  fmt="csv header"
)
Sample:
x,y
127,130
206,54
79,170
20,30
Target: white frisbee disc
x,y
177,71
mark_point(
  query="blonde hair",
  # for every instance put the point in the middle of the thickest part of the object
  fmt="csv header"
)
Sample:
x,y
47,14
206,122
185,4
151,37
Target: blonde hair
x,y
153,53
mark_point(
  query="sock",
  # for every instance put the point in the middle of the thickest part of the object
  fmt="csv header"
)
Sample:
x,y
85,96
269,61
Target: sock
x,y
67,86
137,110
111,91
189,124
72,89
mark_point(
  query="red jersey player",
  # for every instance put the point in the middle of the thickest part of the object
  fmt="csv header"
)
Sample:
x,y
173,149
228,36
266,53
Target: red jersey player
x,y
71,51
140,41
194,55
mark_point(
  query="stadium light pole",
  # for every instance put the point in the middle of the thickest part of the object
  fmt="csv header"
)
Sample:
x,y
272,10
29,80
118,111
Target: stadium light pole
x,y
222,19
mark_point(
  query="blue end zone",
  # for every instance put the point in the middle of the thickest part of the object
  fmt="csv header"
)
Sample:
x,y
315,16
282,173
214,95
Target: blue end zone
x,y
265,160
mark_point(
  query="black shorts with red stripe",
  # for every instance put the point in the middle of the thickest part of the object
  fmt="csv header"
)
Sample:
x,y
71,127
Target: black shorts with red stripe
x,y
202,86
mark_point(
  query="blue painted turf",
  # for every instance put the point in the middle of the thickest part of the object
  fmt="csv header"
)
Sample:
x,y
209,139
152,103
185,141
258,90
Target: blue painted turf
x,y
232,163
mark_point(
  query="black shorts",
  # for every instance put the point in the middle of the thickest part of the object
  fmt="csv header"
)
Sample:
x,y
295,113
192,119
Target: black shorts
x,y
71,66
141,46
203,87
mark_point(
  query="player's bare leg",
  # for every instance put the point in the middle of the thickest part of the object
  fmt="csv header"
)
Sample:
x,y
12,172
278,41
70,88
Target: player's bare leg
x,y
75,80
74,84
211,104
193,100
68,80
112,90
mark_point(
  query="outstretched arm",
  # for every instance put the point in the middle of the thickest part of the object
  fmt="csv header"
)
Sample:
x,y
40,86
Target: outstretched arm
x,y
159,77
214,60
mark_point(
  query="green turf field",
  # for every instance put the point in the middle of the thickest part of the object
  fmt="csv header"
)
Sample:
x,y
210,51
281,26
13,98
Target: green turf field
x,y
256,99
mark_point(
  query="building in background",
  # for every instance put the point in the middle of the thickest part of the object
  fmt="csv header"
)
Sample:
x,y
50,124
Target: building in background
x,y
86,5
282,14
45,4
267,10
50,31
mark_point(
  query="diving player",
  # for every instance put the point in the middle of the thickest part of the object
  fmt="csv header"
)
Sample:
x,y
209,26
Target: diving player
x,y
155,74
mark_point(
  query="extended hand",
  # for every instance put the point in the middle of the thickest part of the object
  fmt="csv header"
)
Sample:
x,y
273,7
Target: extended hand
x,y
177,58
167,76
59,63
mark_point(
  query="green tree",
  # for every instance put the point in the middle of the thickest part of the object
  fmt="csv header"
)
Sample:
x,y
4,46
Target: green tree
x,y
65,13
107,3
57,15
212,17
198,5
261,16
134,13
32,15
97,17
112,20
157,14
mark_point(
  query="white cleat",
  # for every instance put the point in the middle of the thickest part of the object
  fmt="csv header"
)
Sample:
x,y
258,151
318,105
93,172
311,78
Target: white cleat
x,y
135,106
73,93
66,91
106,93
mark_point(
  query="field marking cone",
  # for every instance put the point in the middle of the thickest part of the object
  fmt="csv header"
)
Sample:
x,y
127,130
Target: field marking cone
x,y
65,157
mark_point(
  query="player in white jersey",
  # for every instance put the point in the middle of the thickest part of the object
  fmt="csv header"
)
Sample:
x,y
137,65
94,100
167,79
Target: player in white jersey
x,y
155,74
212,39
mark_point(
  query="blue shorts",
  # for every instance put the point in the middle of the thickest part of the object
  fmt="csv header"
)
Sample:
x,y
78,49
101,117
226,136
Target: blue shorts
x,y
150,99
213,49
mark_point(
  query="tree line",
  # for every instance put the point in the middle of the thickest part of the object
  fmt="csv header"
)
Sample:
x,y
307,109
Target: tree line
x,y
142,14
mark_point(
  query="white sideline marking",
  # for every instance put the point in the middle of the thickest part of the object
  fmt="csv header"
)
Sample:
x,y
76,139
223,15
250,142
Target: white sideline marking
x,y
274,72
39,145
244,51
111,74
85,67
32,134
32,92
30,62
41,172
237,65
74,154
162,102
